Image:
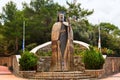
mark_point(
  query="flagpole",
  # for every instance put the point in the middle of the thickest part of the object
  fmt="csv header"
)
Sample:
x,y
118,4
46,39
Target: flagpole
x,y
99,40
23,44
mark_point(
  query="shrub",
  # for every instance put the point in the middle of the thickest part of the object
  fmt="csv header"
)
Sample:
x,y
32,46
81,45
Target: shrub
x,y
107,51
79,50
28,61
93,59
31,46
44,53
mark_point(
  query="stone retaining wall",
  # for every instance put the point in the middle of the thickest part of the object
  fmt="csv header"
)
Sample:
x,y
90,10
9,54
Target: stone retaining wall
x,y
27,74
44,64
112,65
95,73
6,61
16,65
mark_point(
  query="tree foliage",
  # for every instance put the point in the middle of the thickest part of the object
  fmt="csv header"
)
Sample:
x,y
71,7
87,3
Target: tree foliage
x,y
110,37
77,11
12,26
9,11
40,15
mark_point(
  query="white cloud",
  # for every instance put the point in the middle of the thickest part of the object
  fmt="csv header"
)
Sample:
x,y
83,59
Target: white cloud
x,y
18,3
104,11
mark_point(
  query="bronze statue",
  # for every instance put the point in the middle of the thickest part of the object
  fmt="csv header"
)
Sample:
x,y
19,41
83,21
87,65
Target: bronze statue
x,y
62,45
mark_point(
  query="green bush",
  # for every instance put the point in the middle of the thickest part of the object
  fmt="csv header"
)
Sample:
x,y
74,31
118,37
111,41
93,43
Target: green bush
x,y
79,50
107,51
93,59
44,53
28,61
31,46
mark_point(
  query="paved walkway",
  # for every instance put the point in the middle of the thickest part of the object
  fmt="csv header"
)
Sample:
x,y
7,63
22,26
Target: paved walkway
x,y
4,70
113,77
5,74
10,77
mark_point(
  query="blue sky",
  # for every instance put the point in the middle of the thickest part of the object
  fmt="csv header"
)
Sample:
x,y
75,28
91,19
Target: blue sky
x,y
104,10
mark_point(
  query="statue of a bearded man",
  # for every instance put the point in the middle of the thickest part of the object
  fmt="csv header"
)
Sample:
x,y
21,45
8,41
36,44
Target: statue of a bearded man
x,y
62,45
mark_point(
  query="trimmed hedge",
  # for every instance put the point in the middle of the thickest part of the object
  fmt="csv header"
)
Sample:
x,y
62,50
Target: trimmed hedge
x,y
28,61
93,59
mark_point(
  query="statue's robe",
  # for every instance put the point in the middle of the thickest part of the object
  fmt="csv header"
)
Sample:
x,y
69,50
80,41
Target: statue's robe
x,y
62,47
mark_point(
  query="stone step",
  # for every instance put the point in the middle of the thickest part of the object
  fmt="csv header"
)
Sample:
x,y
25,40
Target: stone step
x,y
61,75
80,77
72,72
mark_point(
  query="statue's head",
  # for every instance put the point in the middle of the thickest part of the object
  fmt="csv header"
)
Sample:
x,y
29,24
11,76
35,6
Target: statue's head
x,y
61,16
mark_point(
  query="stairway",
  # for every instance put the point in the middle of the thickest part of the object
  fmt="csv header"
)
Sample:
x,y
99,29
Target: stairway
x,y
74,75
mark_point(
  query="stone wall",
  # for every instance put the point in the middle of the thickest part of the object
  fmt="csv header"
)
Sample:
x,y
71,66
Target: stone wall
x,y
16,66
44,64
95,73
112,65
6,61
78,64
27,74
